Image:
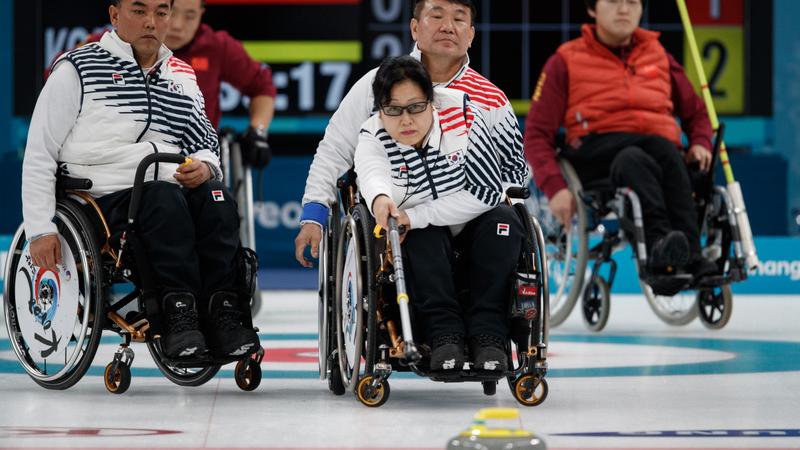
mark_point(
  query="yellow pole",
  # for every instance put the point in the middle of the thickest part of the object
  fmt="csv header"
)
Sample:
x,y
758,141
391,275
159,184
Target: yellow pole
x,y
748,248
706,91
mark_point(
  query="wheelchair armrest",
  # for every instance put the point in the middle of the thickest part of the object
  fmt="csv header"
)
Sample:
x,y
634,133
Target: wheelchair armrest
x,y
64,183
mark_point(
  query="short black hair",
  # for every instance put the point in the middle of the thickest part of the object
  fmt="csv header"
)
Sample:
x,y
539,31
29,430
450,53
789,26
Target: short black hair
x,y
117,2
592,4
395,70
473,11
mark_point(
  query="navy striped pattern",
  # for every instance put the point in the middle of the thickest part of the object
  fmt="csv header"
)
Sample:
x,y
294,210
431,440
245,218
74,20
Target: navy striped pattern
x,y
428,174
167,114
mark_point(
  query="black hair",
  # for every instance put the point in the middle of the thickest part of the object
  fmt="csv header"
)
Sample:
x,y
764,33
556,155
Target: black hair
x,y
473,11
397,69
592,4
117,2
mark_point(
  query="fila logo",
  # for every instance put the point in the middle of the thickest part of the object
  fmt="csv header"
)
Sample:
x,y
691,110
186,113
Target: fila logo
x,y
403,171
118,79
502,229
218,196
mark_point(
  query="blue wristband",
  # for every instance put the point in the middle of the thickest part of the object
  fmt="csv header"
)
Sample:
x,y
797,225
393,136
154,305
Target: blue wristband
x,y
315,212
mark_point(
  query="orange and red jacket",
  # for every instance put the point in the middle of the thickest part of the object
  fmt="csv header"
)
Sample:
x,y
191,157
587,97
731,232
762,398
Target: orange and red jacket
x,y
588,88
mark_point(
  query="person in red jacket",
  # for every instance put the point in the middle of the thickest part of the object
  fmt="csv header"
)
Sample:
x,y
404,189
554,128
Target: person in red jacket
x,y
215,57
616,91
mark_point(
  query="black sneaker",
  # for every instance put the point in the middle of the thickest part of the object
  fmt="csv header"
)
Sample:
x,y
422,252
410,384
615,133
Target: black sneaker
x,y
447,352
700,266
488,353
183,337
229,336
669,253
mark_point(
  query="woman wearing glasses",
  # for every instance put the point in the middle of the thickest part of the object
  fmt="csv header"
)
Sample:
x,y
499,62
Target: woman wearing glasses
x,y
427,159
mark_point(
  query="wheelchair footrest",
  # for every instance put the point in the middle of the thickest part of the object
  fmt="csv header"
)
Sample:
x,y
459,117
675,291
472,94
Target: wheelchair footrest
x,y
206,360
455,376
668,284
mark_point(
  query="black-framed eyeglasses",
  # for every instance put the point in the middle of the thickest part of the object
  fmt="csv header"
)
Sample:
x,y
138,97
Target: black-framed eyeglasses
x,y
414,108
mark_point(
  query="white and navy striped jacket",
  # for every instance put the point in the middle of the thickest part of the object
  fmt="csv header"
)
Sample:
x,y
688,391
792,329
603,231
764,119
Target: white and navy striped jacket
x,y
454,177
334,154
99,114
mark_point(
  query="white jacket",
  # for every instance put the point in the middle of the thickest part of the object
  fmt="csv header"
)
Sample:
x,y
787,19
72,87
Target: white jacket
x,y
334,154
453,178
98,116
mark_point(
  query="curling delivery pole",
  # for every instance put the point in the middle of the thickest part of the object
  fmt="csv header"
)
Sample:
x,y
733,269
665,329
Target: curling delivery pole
x,y
734,189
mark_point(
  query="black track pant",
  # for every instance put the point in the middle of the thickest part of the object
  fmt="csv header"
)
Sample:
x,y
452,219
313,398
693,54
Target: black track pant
x,y
190,237
488,251
653,168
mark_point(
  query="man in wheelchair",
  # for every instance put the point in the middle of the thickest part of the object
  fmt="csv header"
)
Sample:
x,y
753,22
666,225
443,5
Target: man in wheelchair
x,y
106,106
616,91
426,159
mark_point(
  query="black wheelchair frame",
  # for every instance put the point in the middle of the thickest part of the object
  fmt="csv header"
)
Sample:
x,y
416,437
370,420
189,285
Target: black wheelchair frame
x,y
384,336
599,201
99,267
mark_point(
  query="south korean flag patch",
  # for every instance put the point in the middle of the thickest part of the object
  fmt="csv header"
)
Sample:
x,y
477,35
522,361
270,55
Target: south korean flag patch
x,y
218,196
502,229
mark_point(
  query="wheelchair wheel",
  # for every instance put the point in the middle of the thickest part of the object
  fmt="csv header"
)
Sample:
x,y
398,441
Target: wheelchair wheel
x,y
567,249
117,381
54,320
489,387
355,297
369,396
326,342
193,376
247,374
530,390
677,310
596,304
715,306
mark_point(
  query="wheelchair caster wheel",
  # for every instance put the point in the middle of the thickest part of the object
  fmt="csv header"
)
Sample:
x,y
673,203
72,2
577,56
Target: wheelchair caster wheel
x,y
369,396
530,390
335,384
489,387
119,380
248,374
596,304
715,306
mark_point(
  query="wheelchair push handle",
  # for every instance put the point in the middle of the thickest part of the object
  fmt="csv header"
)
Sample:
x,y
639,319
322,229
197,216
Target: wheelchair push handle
x,y
141,170
519,192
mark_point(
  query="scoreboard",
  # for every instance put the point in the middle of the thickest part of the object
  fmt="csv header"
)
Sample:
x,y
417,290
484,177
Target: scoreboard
x,y
318,48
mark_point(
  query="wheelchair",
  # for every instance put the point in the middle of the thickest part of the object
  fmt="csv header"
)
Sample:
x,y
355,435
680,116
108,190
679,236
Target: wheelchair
x,y
55,319
239,180
365,326
606,220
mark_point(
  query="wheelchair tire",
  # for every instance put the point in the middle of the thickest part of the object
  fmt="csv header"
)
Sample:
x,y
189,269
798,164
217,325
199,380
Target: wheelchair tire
x,y
676,310
715,306
354,242
117,381
247,374
376,398
81,345
326,284
567,251
529,390
181,376
596,304
335,384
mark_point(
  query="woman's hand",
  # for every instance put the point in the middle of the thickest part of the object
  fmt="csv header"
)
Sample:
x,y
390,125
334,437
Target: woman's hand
x,y
382,208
